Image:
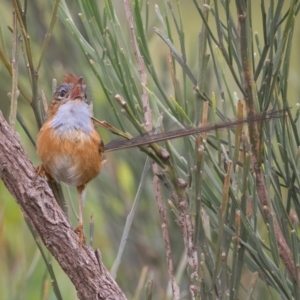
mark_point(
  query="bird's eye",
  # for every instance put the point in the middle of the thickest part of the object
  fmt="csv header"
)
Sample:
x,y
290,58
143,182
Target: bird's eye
x,y
62,92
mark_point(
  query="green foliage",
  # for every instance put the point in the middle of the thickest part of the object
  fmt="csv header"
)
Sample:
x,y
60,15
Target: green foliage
x,y
190,63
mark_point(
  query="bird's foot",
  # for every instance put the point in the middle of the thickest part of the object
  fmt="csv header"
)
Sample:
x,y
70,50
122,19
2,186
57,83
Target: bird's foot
x,y
40,170
80,232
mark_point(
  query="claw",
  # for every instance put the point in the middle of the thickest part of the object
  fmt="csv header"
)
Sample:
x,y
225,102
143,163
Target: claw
x,y
80,232
40,170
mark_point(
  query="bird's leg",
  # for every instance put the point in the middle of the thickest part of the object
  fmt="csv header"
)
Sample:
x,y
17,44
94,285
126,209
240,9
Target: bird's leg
x,y
79,228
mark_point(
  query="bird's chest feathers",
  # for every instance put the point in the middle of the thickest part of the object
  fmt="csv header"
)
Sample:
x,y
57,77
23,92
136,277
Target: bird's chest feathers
x,y
72,116
72,152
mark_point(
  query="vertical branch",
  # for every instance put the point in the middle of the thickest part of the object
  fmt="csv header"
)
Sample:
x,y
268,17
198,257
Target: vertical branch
x,y
8,67
203,58
141,66
185,219
187,228
49,33
15,69
284,250
165,233
33,72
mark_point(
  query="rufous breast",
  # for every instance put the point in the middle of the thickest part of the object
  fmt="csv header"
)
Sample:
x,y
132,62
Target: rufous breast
x,y
70,148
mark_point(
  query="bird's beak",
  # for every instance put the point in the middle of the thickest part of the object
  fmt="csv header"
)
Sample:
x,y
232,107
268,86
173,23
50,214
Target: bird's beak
x,y
78,90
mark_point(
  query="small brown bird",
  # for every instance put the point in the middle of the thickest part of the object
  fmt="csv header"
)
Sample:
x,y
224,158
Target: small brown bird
x,y
70,148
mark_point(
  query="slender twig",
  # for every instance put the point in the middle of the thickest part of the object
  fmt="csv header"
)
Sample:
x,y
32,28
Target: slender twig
x,y
33,71
49,33
15,70
203,58
184,221
8,67
129,220
24,33
186,225
141,283
141,66
284,250
165,232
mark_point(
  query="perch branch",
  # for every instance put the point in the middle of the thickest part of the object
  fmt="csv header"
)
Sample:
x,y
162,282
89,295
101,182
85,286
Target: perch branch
x,y
81,264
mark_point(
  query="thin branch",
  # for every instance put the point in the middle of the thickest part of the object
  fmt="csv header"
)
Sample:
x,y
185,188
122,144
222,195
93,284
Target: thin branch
x,y
33,72
129,219
141,66
8,67
14,66
165,232
188,231
284,250
49,33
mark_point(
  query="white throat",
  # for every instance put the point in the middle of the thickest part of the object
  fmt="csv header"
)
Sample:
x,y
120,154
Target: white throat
x,y
72,115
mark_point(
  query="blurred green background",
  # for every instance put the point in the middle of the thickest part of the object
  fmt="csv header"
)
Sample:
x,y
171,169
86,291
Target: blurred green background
x,y
23,274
